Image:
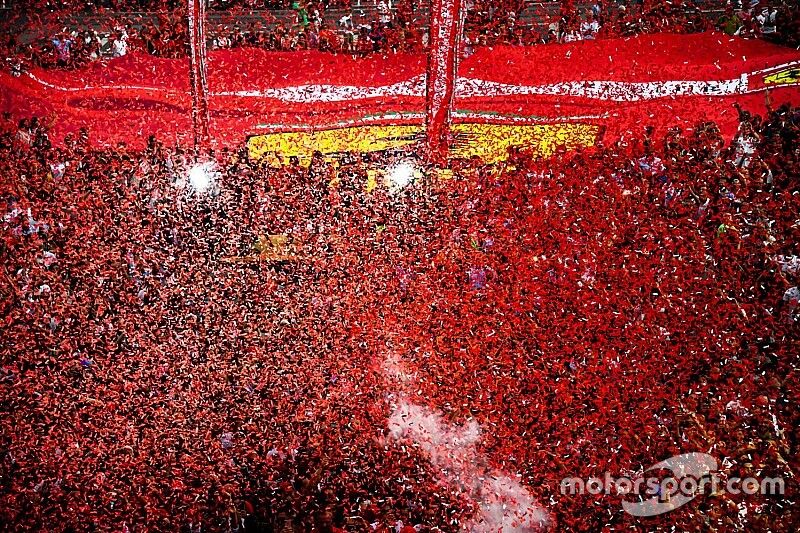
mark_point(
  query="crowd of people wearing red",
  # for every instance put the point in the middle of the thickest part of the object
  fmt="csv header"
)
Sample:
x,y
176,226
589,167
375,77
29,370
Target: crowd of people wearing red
x,y
391,27
594,312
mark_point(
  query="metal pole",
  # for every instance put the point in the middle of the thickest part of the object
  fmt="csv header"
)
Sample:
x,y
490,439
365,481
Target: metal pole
x,y
445,36
197,74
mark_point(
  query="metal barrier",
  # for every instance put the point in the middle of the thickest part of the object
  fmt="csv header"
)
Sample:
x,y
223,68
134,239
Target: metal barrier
x,y
535,14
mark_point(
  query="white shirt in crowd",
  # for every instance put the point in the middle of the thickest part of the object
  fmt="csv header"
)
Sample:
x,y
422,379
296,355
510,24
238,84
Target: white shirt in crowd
x,y
766,20
120,46
589,28
384,12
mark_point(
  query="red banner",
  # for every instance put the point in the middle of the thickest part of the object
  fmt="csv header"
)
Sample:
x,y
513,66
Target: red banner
x,y
623,84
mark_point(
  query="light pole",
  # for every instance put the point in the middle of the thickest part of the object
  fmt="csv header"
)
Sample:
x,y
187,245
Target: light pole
x,y
445,36
197,75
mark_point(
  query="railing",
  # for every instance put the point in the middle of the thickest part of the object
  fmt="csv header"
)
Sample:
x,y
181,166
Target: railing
x,y
536,14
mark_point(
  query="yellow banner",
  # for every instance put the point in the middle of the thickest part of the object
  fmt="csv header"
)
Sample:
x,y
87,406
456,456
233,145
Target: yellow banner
x,y
784,77
489,142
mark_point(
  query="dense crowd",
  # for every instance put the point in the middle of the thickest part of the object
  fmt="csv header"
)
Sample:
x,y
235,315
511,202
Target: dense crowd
x,y
597,311
388,26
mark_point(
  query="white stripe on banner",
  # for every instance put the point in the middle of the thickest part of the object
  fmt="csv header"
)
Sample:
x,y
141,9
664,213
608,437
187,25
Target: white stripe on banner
x,y
615,91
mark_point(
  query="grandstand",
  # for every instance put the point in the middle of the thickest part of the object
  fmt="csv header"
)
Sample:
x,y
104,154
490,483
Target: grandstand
x,y
532,16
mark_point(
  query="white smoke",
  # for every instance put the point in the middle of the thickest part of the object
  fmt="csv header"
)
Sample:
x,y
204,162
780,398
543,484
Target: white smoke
x,y
394,370
504,505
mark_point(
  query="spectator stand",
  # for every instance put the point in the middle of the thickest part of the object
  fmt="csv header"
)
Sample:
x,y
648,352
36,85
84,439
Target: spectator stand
x,y
509,22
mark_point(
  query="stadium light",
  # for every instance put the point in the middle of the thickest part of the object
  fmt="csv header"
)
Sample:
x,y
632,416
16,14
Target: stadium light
x,y
401,175
202,176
